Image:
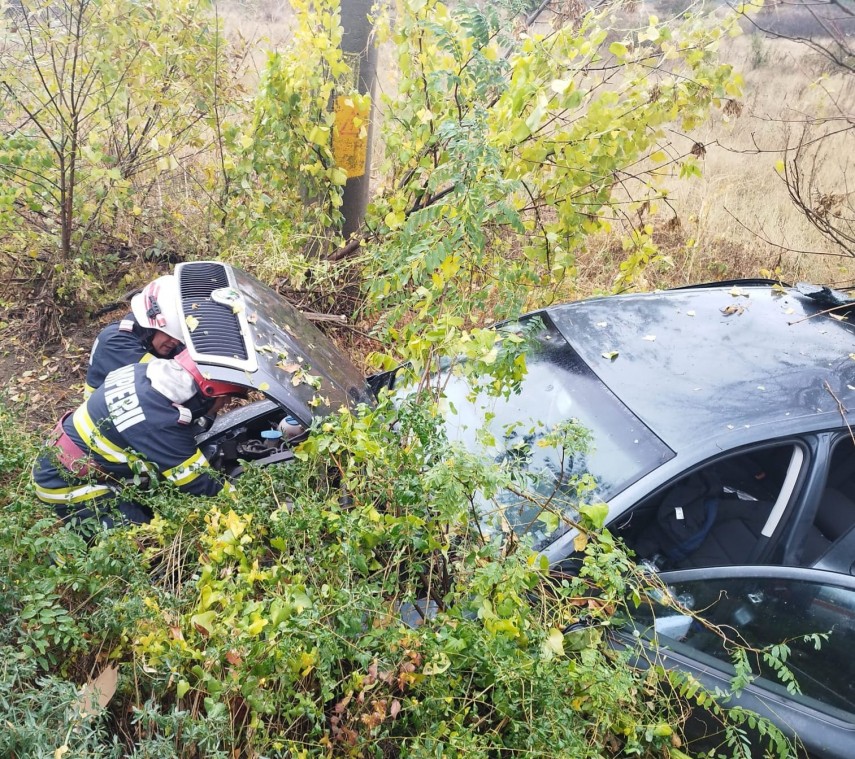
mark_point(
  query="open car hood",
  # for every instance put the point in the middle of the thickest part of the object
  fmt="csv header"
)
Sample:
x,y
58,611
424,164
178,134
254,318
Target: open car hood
x,y
241,331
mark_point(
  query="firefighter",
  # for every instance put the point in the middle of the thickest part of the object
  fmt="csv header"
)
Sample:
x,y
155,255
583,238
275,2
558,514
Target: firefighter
x,y
152,329
138,422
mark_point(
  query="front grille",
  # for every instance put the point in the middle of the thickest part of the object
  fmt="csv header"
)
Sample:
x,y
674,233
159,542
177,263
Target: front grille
x,y
218,333
199,280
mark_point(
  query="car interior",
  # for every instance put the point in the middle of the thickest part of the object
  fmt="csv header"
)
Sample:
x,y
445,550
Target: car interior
x,y
717,516
835,514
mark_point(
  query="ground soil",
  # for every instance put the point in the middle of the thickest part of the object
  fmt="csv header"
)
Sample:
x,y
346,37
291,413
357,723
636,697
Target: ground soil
x,y
39,381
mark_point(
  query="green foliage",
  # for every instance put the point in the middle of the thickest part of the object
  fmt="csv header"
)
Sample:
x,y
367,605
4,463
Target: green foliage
x,y
283,184
345,604
100,101
352,602
505,155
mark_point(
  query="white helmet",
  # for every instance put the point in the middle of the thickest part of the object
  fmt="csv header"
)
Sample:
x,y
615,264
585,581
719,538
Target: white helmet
x,y
156,307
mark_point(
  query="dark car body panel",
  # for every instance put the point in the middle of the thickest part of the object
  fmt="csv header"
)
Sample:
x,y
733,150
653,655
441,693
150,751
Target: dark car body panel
x,y
776,369
708,370
284,355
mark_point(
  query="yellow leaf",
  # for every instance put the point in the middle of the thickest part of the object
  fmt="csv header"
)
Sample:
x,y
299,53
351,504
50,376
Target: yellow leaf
x,y
235,524
553,645
618,49
319,135
257,626
580,542
394,219
779,167
192,322
204,623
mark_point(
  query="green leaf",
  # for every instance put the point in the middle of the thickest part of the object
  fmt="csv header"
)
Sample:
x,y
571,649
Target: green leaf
x,y
618,49
595,514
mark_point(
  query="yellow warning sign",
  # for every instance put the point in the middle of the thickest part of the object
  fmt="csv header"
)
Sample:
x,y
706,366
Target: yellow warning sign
x,y
350,134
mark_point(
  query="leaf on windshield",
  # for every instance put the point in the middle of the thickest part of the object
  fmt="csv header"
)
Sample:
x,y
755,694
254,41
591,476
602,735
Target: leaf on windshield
x,y
611,355
730,310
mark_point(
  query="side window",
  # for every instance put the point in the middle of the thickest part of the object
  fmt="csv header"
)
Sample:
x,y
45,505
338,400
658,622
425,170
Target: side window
x,y
765,612
835,512
720,515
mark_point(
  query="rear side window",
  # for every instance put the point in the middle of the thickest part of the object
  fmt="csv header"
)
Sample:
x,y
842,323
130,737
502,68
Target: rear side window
x,y
834,518
816,621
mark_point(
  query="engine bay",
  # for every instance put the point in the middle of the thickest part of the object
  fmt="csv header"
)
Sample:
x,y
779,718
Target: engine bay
x,y
261,432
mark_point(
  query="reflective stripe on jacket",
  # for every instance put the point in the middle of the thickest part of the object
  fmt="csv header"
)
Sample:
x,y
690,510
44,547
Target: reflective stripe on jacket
x,y
128,428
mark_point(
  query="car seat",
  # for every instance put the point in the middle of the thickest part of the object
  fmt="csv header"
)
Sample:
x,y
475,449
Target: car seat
x,y
835,516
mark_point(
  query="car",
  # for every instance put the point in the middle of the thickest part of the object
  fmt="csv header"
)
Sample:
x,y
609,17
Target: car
x,y
719,438
810,611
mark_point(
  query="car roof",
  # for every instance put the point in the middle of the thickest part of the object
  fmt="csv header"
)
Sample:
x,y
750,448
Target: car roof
x,y
696,361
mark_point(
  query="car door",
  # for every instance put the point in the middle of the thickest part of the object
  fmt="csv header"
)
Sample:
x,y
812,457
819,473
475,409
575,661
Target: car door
x,y
811,611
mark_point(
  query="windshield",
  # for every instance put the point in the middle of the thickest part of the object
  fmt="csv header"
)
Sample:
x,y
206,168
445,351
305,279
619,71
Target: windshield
x,y
529,431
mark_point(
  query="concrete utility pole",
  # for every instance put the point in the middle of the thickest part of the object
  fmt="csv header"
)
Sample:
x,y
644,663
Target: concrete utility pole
x,y
352,151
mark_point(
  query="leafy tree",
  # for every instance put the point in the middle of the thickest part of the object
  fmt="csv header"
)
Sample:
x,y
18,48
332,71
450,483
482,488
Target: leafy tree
x,y
99,100
505,155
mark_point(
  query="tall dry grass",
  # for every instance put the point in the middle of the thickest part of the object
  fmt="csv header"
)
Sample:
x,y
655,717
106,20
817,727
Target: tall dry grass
x,y
738,218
